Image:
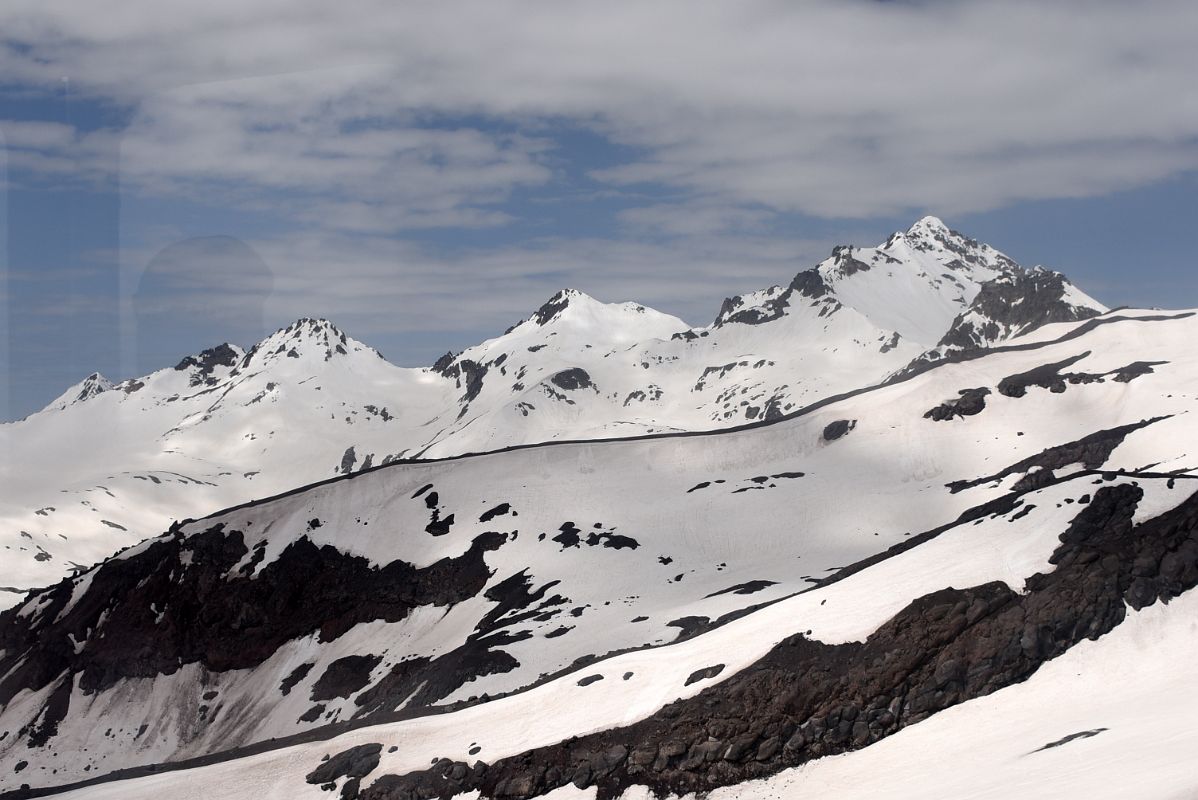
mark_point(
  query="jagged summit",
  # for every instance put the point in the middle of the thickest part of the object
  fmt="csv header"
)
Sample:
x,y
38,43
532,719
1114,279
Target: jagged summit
x,y
81,392
555,305
929,226
306,338
205,365
914,285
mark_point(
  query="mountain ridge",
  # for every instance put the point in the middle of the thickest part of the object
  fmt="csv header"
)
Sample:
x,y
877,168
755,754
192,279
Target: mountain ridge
x,y
579,506
219,427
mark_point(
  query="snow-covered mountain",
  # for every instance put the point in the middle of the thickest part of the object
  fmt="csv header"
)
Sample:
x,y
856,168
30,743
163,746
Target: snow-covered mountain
x,y
106,465
975,579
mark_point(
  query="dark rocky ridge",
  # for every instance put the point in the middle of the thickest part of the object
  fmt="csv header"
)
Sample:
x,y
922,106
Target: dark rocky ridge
x,y
1019,301
1091,451
206,362
149,614
552,307
942,649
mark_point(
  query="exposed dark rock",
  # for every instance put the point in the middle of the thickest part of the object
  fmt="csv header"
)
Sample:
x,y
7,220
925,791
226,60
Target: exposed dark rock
x,y
206,362
344,676
1070,738
572,379
749,587
589,679
704,674
295,676
1090,451
497,511
652,393
205,612
1016,302
1136,369
552,307
806,699
442,364
837,429
569,535
1047,376
846,263
439,526
356,762
419,682
810,283
771,309
971,402
468,375
615,541
313,713
348,459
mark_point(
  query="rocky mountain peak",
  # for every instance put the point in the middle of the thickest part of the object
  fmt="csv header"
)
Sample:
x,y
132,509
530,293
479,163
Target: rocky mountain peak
x,y
561,300
308,338
83,391
204,364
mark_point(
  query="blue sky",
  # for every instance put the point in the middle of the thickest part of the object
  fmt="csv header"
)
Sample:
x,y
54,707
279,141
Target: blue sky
x,y
426,174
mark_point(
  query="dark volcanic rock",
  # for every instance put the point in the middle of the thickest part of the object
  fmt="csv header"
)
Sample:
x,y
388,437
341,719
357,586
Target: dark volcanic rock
x,y
348,459
971,401
704,674
552,307
1071,738
572,379
296,675
810,283
806,699
1090,451
1018,301
768,311
206,362
748,587
837,429
344,676
203,611
356,762
1047,376
497,511
442,364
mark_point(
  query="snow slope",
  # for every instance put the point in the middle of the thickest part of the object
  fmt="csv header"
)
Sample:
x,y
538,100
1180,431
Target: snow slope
x,y
449,583
108,464
1133,744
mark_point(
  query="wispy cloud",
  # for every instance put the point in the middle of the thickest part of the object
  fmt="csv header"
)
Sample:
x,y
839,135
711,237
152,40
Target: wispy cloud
x,y
828,108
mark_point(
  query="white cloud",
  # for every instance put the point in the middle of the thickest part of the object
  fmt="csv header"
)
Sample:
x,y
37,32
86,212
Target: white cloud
x,y
845,108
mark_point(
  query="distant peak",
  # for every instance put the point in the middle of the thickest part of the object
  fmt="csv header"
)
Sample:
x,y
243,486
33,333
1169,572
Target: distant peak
x,y
315,325
929,224
558,303
86,389
306,336
96,383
